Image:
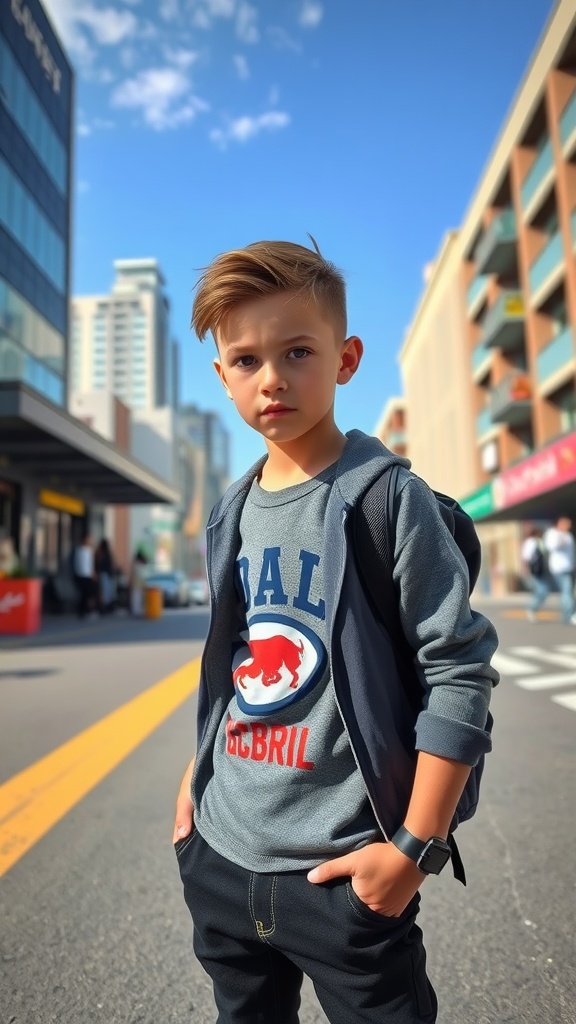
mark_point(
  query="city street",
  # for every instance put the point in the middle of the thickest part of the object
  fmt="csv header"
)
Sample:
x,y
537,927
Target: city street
x,y
97,725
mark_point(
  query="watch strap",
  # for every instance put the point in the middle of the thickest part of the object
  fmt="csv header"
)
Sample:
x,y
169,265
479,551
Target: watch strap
x,y
408,844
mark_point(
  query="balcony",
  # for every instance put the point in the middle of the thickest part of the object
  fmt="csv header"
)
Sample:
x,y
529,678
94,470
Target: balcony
x,y
540,175
484,424
559,354
547,265
481,360
511,399
503,325
476,294
496,250
396,439
568,126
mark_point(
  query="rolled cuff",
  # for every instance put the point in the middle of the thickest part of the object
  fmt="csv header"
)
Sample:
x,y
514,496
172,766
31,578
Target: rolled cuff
x,y
455,740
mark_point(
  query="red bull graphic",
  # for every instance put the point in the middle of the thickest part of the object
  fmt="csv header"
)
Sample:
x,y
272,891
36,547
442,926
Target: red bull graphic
x,y
279,661
268,656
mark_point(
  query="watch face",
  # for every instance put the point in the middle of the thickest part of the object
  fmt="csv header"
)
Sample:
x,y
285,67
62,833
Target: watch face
x,y
434,856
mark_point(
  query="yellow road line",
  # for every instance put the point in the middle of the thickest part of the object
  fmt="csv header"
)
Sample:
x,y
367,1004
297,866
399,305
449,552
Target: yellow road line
x,y
38,797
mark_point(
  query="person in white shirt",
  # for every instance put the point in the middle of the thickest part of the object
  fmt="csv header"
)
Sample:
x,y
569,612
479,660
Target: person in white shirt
x,y
533,555
561,548
84,576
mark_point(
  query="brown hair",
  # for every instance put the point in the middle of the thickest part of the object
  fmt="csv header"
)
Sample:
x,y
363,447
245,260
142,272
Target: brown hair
x,y
260,269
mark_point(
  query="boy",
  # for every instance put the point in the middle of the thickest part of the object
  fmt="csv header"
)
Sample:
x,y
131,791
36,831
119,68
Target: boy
x,y
292,822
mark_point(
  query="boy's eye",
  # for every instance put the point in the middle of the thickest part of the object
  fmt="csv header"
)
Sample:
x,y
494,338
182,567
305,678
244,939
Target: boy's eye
x,y
299,353
245,361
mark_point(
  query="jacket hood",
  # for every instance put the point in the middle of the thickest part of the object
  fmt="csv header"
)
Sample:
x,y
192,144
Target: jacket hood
x,y
363,460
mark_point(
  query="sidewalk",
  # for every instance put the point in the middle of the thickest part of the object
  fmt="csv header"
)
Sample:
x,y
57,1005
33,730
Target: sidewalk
x,y
55,628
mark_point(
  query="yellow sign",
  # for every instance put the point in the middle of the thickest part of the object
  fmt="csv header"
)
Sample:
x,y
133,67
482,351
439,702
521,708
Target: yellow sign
x,y
514,306
62,502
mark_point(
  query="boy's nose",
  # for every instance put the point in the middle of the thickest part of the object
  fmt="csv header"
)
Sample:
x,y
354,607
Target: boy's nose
x,y
272,380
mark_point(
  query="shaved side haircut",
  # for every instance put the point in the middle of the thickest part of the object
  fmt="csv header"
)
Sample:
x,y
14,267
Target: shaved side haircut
x,y
262,269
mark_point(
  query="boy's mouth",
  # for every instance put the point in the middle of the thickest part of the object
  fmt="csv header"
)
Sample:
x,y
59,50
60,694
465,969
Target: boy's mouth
x,y
276,410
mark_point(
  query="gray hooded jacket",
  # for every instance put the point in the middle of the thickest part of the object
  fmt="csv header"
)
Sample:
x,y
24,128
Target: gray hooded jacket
x,y
453,644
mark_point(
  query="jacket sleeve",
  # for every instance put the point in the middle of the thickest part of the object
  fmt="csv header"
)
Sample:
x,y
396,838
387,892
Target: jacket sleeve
x,y
453,644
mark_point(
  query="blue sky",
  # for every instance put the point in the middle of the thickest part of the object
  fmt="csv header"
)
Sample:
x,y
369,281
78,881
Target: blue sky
x,y
203,125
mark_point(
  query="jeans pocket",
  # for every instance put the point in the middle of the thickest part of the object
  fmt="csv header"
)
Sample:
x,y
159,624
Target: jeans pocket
x,y
182,844
362,910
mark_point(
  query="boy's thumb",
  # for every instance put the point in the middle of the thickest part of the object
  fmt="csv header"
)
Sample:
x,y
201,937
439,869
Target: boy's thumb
x,y
331,869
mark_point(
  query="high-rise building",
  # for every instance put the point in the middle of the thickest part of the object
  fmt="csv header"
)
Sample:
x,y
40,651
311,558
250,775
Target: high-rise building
x,y
53,468
204,475
121,341
489,361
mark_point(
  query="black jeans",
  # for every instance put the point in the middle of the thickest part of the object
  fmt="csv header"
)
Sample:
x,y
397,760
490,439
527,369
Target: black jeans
x,y
88,592
257,934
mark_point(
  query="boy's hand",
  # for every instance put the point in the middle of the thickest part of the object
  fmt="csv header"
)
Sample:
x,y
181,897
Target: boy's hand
x,y
381,876
184,821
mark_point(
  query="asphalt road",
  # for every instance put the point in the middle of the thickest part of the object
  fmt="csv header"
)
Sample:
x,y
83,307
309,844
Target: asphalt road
x,y
92,922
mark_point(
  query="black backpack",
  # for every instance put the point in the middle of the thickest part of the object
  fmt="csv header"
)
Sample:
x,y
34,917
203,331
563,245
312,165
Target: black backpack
x,y
373,538
537,564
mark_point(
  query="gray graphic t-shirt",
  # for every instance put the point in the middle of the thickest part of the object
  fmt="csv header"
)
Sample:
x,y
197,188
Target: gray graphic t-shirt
x,y
286,792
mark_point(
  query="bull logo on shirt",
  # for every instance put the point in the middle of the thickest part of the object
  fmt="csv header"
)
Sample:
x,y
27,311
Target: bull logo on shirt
x,y
278,662
269,656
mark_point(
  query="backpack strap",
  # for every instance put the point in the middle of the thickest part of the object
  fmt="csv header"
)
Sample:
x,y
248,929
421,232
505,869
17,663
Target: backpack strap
x,y
374,543
374,540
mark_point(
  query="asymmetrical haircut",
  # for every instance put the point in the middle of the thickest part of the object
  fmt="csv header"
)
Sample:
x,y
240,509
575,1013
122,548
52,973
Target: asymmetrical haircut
x,y
262,269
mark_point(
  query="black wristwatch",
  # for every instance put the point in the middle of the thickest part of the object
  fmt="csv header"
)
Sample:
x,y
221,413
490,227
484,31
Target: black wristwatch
x,y
429,856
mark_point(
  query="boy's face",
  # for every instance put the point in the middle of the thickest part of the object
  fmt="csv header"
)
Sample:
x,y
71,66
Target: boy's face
x,y
280,362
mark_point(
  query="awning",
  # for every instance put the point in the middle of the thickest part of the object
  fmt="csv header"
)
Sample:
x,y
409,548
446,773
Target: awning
x,y
46,443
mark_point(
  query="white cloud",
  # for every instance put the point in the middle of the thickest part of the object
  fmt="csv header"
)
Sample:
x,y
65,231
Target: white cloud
x,y
163,95
83,187
246,23
280,38
273,95
244,128
241,65
311,13
204,11
80,23
83,128
180,57
108,25
169,10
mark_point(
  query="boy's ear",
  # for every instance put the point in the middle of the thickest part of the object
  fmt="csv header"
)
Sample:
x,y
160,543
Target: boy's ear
x,y
350,361
220,373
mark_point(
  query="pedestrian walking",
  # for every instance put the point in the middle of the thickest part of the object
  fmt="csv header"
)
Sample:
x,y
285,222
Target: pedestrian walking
x,y
307,822
105,570
533,555
85,578
137,584
561,547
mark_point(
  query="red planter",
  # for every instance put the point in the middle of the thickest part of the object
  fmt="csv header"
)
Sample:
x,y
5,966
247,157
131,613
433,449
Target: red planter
x,y
20,606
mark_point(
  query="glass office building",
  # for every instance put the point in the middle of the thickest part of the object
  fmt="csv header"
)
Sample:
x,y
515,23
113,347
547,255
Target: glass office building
x,y
36,103
53,469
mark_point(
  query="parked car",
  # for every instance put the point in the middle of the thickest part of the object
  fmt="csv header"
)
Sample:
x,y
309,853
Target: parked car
x,y
174,586
199,593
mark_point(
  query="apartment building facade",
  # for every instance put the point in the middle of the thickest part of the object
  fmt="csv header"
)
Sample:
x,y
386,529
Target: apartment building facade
x,y
120,342
391,428
489,361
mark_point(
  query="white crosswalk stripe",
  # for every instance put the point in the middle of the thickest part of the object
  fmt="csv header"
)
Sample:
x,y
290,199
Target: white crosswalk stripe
x,y
529,668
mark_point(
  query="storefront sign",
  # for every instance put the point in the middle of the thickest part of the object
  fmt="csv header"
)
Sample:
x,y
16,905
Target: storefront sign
x,y
23,16
62,502
542,472
480,503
